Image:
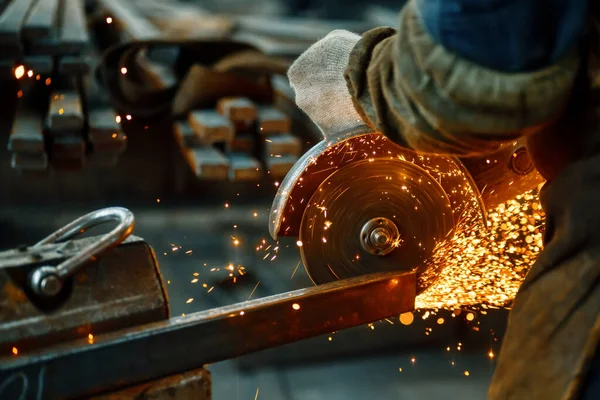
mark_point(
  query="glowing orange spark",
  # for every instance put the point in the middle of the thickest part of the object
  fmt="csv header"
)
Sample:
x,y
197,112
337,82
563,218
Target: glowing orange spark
x,y
19,72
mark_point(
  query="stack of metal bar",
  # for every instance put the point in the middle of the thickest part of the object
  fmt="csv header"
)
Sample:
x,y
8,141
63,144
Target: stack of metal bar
x,y
31,35
42,37
46,46
239,141
65,122
26,141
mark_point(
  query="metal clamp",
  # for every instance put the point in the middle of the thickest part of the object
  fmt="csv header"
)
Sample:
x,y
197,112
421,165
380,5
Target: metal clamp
x,y
48,280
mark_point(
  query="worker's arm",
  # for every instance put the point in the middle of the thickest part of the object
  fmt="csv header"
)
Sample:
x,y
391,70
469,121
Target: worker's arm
x,y
457,76
463,76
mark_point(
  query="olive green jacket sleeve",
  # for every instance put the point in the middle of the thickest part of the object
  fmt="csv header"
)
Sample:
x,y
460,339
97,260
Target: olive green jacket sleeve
x,y
426,98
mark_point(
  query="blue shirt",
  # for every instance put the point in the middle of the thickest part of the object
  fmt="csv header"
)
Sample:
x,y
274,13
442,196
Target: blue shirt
x,y
506,35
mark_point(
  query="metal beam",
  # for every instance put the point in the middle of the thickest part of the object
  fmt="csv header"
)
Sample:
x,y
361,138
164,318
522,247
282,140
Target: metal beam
x,y
146,353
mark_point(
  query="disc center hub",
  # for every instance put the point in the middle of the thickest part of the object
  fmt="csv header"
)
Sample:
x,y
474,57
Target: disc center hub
x,y
379,236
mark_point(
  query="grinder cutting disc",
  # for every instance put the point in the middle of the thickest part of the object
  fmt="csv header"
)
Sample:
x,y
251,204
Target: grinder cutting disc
x,y
372,216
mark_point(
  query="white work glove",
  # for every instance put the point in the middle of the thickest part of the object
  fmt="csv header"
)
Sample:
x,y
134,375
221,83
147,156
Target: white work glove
x,y
317,78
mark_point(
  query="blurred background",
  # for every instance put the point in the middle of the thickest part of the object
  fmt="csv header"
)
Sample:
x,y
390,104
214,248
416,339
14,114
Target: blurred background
x,y
57,163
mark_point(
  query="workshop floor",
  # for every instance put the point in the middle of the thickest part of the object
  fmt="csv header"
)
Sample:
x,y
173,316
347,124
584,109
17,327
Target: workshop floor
x,y
425,360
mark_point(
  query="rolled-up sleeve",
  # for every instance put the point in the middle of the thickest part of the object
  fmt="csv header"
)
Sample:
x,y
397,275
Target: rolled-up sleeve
x,y
428,98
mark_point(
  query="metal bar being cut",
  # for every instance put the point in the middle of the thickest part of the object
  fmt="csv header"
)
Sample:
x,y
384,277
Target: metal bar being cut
x,y
125,358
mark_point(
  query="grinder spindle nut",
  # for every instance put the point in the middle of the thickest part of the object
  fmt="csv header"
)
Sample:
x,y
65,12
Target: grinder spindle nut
x,y
379,236
520,162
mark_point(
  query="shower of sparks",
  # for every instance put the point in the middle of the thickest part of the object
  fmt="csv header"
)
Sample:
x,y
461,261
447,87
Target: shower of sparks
x,y
487,267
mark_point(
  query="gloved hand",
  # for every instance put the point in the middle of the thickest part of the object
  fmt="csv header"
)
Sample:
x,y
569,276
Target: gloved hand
x,y
317,78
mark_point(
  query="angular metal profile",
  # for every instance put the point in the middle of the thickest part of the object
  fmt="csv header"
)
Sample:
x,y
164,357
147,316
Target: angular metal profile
x,y
149,352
